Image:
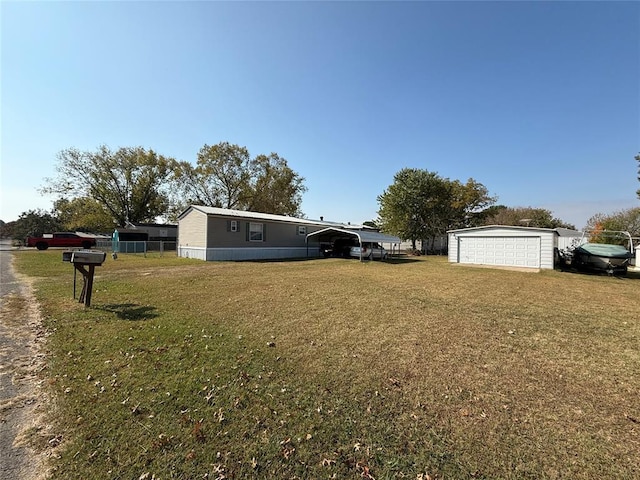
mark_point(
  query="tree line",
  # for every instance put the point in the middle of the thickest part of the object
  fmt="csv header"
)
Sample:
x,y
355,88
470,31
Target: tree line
x,y
97,191
105,189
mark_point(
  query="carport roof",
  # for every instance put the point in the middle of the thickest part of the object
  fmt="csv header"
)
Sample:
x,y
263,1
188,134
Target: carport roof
x,y
363,235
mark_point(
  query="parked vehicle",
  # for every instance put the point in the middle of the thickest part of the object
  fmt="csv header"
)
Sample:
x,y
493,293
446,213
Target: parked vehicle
x,y
602,257
339,248
369,250
607,251
61,239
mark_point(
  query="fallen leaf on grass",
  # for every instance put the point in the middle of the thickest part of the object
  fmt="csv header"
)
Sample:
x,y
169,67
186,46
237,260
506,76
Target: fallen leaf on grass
x,y
197,431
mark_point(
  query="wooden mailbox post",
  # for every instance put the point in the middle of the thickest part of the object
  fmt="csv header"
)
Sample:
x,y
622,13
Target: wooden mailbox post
x,y
85,262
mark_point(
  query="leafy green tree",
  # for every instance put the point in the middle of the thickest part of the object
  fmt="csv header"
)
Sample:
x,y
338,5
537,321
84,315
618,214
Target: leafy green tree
x,y
526,217
470,202
416,206
220,177
483,217
33,223
83,214
6,229
275,188
226,176
131,183
421,205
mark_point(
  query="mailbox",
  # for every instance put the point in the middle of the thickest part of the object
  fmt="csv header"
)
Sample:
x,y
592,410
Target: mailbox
x,y
88,257
81,259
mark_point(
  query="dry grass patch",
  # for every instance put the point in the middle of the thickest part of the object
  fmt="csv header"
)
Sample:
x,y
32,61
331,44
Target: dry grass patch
x,y
339,368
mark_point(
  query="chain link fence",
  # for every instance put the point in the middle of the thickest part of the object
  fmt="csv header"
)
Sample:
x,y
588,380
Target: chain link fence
x,y
139,247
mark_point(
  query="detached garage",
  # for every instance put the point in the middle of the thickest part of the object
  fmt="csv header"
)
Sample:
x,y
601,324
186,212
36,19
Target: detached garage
x,y
505,246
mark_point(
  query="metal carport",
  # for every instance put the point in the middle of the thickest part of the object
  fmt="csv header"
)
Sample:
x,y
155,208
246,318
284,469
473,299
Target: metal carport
x,y
331,234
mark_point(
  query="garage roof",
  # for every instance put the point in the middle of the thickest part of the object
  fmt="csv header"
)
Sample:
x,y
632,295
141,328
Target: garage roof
x,y
363,235
503,227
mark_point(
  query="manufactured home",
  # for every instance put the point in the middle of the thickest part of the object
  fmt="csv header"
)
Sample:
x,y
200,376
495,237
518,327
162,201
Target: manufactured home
x,y
211,233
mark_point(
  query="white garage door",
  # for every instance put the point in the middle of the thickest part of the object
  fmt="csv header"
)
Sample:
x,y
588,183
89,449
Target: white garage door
x,y
507,251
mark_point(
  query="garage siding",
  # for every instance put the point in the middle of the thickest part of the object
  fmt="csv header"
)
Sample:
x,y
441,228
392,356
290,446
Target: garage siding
x,y
509,251
503,246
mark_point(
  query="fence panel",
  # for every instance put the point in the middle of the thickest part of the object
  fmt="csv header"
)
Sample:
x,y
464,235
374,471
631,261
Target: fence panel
x,y
138,247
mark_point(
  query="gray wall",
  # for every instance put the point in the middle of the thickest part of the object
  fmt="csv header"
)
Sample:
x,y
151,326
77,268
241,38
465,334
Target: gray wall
x,y
276,234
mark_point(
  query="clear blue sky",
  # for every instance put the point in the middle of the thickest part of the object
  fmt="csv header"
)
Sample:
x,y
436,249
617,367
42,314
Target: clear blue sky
x,y
539,101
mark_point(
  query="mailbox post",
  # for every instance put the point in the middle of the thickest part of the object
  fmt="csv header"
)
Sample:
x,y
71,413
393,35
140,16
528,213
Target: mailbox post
x,y
85,262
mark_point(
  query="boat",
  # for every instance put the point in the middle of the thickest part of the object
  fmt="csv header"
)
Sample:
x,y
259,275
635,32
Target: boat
x,y
602,257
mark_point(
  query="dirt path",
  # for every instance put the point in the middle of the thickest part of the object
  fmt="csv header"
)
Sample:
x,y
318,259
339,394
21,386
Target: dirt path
x,y
22,404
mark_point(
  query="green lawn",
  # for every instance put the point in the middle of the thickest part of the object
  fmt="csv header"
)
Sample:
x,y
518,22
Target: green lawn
x,y
334,368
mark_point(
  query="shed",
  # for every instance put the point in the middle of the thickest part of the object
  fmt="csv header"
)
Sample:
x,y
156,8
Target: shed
x,y
155,232
503,245
569,239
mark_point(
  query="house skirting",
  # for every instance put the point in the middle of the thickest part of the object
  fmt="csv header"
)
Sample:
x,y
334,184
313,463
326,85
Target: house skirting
x,y
250,253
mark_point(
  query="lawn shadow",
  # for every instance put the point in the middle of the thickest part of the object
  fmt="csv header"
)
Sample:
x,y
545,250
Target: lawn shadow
x,y
401,260
129,311
630,275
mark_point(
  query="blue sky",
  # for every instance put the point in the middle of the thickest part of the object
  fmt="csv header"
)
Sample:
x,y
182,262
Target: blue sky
x,y
539,101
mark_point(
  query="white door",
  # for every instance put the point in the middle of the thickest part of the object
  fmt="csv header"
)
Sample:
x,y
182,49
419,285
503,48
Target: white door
x,y
503,251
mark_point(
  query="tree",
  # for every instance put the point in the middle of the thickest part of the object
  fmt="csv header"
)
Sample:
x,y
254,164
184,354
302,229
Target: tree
x,y
226,176
6,229
626,220
416,205
83,214
527,217
372,224
220,178
131,183
33,223
421,205
276,188
470,202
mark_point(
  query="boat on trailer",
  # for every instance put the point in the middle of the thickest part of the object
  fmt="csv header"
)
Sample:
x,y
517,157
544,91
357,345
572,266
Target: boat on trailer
x,y
612,258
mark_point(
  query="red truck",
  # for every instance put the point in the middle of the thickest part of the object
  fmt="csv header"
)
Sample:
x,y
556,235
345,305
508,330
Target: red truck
x,y
61,239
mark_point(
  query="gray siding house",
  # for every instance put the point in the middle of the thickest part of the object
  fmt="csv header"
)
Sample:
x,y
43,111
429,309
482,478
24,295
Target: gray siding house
x,y
210,233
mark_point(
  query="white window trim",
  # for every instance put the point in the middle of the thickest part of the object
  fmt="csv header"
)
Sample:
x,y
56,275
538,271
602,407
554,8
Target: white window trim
x,y
302,229
233,226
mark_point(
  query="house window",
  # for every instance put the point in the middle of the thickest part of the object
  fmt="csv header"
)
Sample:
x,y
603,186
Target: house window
x,y
233,226
256,232
302,230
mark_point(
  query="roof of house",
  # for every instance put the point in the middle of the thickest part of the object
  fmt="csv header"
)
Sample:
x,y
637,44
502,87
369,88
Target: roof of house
x,y
226,212
158,225
568,232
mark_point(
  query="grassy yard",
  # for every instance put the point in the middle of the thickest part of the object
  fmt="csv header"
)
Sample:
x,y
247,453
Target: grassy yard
x,y
339,369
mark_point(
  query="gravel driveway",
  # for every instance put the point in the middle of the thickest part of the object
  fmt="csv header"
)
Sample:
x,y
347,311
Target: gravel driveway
x,y
21,403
